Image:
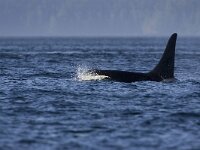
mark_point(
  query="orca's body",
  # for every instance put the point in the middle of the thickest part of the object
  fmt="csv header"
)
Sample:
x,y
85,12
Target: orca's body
x,y
163,71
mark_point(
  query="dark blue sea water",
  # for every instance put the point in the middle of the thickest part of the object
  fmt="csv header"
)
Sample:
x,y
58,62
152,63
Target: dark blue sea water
x,y
44,104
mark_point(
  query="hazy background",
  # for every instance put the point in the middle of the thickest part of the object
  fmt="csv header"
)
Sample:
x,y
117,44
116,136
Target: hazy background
x,y
99,17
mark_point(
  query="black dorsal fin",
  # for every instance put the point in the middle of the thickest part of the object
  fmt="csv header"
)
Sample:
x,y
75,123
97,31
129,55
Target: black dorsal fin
x,y
165,67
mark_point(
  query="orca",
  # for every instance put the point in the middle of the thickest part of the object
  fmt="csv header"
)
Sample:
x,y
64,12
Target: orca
x,y
164,70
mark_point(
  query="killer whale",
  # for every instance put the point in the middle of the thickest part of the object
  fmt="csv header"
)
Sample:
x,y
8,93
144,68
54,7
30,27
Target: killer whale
x,y
164,70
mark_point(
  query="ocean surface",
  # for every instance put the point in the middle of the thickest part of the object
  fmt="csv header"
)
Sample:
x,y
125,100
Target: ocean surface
x,y
47,101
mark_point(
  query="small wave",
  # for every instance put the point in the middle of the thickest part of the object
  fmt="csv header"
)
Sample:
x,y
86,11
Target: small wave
x,y
187,114
83,74
10,56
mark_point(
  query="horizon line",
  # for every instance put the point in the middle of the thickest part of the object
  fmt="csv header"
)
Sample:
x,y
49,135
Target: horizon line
x,y
95,36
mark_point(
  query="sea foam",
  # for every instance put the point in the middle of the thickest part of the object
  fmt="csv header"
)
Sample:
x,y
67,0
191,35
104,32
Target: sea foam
x,y
83,74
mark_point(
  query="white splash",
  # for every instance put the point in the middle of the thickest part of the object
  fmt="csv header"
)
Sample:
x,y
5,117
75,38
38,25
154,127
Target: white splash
x,y
83,74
